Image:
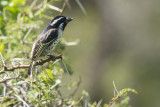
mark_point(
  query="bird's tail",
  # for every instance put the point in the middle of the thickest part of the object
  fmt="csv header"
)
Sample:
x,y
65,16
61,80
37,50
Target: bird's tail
x,y
30,68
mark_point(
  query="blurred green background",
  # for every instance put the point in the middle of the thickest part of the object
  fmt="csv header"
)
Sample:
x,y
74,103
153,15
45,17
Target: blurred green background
x,y
120,42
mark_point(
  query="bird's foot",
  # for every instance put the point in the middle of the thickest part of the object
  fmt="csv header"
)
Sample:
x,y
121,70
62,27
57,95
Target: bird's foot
x,y
51,56
54,57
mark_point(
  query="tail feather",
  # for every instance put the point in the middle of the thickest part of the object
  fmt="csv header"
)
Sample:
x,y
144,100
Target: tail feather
x,y
30,68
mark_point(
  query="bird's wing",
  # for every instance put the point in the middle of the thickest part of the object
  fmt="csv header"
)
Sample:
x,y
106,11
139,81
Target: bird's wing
x,y
42,42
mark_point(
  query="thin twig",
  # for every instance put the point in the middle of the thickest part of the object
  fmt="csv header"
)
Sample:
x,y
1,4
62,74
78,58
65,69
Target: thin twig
x,y
39,6
64,6
78,84
12,68
115,88
65,66
10,78
20,99
54,8
4,91
33,4
81,6
2,60
99,103
27,33
77,102
69,6
115,99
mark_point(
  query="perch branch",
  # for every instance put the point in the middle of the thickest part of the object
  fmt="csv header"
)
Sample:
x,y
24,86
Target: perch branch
x,y
12,68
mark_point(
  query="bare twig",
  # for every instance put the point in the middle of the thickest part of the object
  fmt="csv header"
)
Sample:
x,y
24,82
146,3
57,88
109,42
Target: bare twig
x,y
65,66
54,8
12,68
20,99
73,43
27,33
81,6
115,99
2,60
4,90
78,84
3,37
115,88
33,4
69,6
64,6
39,6
77,102
10,78
99,103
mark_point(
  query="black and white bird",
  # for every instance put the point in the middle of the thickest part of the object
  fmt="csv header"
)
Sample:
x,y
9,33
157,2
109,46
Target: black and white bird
x,y
48,39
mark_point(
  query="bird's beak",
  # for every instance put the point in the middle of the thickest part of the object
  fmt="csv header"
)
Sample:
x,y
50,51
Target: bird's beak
x,y
69,19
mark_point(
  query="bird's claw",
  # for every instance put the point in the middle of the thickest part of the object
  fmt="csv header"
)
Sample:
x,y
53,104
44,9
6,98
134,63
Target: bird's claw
x,y
52,57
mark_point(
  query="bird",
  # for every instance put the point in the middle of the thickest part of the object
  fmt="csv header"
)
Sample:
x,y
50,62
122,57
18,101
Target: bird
x,y
48,38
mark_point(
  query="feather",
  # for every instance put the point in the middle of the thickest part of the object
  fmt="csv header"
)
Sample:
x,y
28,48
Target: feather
x,y
42,43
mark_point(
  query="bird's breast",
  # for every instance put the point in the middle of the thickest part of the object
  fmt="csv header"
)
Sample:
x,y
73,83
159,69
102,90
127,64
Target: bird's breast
x,y
60,33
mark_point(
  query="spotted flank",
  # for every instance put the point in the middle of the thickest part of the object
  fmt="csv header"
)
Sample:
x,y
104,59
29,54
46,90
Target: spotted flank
x,y
42,44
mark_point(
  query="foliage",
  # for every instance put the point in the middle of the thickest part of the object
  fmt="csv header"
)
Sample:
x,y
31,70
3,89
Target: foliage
x,y
122,93
20,22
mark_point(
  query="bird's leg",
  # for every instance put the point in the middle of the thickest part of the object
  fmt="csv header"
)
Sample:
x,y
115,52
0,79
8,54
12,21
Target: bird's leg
x,y
59,57
52,57
55,57
39,61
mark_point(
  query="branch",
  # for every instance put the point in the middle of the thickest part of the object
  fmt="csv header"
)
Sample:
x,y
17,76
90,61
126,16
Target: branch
x,y
78,84
12,68
123,92
10,78
39,6
81,7
113,101
64,6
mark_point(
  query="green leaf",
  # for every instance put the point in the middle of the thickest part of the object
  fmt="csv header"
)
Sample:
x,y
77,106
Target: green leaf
x,y
22,2
85,93
2,48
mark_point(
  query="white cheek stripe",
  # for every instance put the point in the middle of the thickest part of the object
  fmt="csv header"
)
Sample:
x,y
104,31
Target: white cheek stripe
x,y
61,26
55,21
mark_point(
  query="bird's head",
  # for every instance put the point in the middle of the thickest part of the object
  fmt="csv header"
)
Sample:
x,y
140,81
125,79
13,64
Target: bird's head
x,y
60,22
